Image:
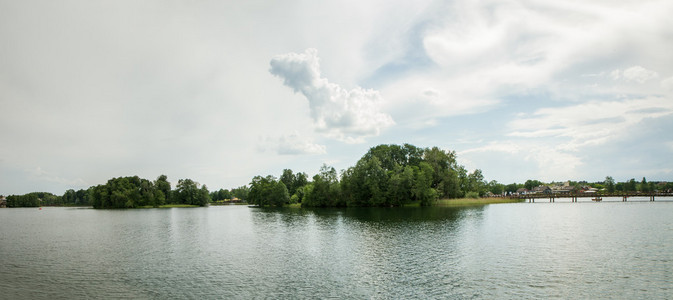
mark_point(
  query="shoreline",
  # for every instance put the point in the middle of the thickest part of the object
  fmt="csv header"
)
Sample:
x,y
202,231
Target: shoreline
x,y
449,202
475,201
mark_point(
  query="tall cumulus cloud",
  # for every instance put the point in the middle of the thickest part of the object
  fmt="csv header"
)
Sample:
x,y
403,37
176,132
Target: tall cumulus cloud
x,y
346,115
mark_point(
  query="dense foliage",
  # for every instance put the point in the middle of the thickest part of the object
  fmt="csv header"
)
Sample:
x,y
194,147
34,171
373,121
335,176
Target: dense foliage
x,y
394,175
27,200
387,175
188,192
324,190
127,192
40,199
130,192
267,191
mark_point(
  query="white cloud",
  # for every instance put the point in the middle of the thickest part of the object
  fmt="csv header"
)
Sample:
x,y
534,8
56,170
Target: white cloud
x,y
292,144
616,74
635,73
667,84
589,123
41,175
558,137
349,116
566,142
531,159
483,51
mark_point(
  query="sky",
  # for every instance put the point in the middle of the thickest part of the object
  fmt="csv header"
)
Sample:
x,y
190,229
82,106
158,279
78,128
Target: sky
x,y
222,91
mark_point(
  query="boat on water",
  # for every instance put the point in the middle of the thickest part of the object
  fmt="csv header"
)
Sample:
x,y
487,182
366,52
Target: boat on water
x,y
597,199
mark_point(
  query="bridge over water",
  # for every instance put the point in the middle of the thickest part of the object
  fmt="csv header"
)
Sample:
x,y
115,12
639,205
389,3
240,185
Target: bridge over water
x,y
594,196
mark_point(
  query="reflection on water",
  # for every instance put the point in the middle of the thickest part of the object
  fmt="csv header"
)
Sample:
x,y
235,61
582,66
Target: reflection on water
x,y
364,252
562,250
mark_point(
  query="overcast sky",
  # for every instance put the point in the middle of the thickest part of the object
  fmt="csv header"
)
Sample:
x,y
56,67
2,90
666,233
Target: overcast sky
x,y
221,91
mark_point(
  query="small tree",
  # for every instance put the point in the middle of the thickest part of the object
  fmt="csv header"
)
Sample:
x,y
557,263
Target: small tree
x,y
644,186
267,191
609,184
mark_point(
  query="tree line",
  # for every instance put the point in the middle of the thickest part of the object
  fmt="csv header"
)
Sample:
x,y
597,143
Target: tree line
x,y
34,199
121,192
132,192
609,185
387,175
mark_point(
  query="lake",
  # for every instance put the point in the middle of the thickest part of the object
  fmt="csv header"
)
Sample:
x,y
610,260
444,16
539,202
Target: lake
x,y
520,250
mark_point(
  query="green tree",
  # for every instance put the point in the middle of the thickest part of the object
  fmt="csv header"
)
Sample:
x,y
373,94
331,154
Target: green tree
x,y
324,190
267,191
300,180
496,188
365,184
241,192
219,195
531,184
400,186
511,188
609,184
27,200
288,178
188,192
464,182
224,194
163,186
631,185
121,192
69,197
668,187
476,182
445,177
644,186
422,189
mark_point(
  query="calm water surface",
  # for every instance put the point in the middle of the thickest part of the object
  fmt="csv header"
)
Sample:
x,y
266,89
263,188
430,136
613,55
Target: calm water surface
x,y
522,250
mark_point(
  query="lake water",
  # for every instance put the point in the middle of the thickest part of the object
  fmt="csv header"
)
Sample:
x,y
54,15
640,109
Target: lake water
x,y
521,250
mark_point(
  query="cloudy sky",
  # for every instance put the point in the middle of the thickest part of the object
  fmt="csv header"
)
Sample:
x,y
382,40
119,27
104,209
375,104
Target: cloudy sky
x,y
221,91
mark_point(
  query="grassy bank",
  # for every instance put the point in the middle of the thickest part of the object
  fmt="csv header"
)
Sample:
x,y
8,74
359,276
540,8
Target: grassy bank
x,y
475,201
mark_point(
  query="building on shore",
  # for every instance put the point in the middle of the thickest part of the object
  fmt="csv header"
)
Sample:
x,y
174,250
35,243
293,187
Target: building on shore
x,y
542,189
